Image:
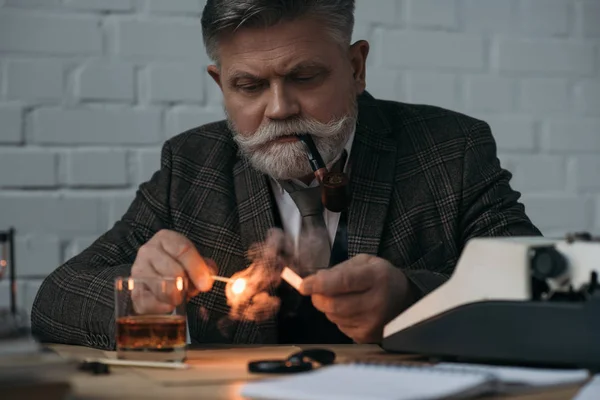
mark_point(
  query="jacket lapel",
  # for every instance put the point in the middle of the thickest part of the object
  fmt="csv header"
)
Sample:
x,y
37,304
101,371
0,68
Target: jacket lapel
x,y
373,161
256,216
254,203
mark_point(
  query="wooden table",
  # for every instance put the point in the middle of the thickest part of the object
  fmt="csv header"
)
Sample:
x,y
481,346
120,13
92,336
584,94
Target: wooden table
x,y
137,383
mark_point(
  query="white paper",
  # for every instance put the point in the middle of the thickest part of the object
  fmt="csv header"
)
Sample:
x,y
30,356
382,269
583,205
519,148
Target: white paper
x,y
370,382
591,391
291,277
523,375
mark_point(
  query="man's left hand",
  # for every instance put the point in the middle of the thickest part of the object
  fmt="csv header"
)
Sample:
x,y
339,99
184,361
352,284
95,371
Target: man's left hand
x,y
360,295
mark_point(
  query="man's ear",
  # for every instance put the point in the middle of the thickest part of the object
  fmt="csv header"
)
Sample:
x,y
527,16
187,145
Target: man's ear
x,y
358,53
214,72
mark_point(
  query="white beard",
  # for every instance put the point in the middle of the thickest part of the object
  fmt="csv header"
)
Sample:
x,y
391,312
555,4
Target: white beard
x,y
289,160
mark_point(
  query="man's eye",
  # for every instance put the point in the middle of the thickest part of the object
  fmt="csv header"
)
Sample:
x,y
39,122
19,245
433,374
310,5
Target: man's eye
x,y
304,78
249,88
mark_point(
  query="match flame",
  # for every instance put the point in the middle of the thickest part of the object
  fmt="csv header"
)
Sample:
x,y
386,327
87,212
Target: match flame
x,y
179,283
239,285
130,282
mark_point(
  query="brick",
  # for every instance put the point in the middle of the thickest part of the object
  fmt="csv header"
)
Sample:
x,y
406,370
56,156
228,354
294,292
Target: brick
x,y
181,119
215,95
176,83
118,205
583,172
11,124
545,17
28,294
598,58
591,18
176,6
361,31
433,13
49,34
384,84
78,245
100,5
439,89
35,80
106,82
161,39
5,294
90,168
488,16
444,50
512,133
32,3
148,163
537,173
550,56
557,211
52,213
544,94
587,96
38,255
490,93
385,12
27,168
572,135
96,126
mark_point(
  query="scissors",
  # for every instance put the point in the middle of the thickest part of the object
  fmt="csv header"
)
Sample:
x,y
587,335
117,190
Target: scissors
x,y
301,361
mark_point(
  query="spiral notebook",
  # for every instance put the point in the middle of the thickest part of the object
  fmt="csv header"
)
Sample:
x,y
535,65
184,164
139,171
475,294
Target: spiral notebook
x,y
397,382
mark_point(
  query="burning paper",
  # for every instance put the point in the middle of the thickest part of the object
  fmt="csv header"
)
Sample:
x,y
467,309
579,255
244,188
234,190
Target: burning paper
x,y
291,277
251,293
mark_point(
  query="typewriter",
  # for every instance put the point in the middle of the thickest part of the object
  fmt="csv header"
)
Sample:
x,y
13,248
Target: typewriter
x,y
529,301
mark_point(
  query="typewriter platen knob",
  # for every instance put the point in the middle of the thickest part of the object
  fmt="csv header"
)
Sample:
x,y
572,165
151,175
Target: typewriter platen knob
x,y
547,263
578,237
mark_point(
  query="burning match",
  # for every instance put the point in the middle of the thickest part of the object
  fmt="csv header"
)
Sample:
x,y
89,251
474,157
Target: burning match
x,y
238,285
222,279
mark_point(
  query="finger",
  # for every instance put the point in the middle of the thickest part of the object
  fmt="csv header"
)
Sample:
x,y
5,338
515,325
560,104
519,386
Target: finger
x,y
184,251
342,306
145,302
164,290
157,263
348,277
164,264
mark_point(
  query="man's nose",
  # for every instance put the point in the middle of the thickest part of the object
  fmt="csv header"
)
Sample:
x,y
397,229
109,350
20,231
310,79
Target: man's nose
x,y
282,104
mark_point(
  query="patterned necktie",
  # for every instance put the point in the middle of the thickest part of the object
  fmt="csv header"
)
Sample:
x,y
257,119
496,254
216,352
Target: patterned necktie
x,y
314,247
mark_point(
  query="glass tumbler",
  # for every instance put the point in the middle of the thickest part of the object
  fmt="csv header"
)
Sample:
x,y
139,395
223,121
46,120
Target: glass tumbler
x,y
150,314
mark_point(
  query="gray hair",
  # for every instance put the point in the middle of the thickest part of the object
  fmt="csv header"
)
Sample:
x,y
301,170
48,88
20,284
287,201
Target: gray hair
x,y
226,16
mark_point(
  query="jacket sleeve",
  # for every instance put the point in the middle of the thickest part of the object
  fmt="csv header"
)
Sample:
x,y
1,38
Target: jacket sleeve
x,y
488,205
75,303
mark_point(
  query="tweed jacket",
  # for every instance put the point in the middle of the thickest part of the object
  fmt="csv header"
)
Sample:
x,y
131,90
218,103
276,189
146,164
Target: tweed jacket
x,y
424,181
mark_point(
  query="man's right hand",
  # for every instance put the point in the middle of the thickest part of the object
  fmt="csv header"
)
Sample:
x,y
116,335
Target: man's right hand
x,y
169,254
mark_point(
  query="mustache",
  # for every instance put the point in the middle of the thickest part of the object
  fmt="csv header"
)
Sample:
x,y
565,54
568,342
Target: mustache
x,y
276,129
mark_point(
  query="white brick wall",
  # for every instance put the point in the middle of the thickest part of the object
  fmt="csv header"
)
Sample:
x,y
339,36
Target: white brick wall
x,y
90,89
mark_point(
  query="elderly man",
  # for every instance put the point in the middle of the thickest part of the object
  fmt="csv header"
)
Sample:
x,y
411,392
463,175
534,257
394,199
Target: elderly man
x,y
423,181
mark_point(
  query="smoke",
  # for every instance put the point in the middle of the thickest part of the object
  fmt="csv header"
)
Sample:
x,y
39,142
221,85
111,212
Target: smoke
x,y
258,301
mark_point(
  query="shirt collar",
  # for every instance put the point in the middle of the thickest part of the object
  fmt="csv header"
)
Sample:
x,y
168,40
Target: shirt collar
x,y
347,147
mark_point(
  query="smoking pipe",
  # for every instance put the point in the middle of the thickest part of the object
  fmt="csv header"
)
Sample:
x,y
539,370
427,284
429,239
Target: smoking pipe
x,y
334,185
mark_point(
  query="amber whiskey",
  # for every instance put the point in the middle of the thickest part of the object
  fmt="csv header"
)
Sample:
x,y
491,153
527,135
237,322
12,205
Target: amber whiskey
x,y
156,337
